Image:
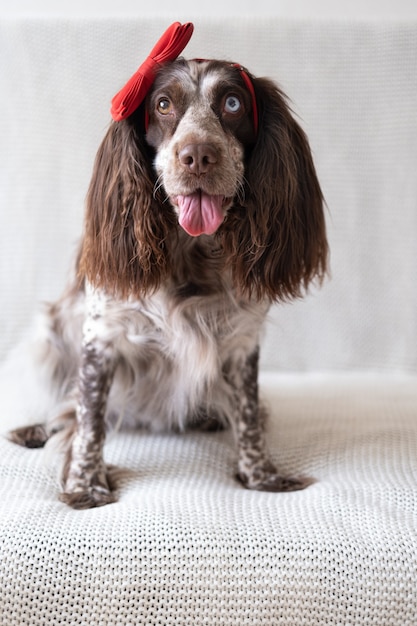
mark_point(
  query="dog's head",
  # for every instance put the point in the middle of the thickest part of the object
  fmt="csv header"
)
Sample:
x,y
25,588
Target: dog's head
x,y
200,121
216,152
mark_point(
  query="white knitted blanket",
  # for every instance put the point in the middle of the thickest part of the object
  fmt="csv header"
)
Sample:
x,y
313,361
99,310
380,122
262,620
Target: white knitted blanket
x,y
185,545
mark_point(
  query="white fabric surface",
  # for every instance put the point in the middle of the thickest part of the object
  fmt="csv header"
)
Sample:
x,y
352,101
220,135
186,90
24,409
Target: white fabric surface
x,y
186,545
354,86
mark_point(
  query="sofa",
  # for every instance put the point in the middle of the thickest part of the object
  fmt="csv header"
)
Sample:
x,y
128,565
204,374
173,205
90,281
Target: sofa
x,y
185,544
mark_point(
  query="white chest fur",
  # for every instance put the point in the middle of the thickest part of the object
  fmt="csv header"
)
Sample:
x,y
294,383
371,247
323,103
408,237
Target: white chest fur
x,y
170,352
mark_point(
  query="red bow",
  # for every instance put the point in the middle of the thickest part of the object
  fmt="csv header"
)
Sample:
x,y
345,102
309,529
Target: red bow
x,y
169,46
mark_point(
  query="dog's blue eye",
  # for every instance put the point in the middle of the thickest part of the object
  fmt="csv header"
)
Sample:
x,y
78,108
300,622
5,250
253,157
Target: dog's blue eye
x,y
232,104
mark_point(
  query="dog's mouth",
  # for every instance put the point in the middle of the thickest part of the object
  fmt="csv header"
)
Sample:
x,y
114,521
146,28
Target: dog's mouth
x,y
200,213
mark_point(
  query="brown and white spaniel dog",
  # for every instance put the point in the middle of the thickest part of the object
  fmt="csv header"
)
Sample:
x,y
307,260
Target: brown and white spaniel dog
x,y
201,213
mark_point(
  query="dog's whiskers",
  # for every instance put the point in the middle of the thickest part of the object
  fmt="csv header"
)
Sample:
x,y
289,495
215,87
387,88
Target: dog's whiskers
x,y
157,187
240,191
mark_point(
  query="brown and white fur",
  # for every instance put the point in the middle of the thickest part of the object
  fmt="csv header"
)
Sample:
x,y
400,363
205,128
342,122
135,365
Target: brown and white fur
x,y
161,326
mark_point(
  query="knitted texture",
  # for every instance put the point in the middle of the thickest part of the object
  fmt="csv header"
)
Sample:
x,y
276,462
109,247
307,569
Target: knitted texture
x,y
186,545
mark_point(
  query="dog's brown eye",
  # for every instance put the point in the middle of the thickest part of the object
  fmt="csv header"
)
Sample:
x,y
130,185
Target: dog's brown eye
x,y
232,104
164,106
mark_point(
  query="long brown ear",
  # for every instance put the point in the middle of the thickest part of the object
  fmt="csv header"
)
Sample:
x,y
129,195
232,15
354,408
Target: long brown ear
x,y
124,249
277,240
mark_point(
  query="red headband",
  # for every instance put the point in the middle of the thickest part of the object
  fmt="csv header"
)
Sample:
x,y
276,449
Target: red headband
x,y
168,47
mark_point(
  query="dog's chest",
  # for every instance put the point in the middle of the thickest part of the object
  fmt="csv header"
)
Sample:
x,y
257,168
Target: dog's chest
x,y
188,323
178,345
184,327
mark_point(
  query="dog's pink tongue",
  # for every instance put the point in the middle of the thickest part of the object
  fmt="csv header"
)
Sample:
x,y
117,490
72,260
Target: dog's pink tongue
x,y
200,213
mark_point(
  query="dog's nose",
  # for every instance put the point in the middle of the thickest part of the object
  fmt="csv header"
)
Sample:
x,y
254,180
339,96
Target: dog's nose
x,y
198,158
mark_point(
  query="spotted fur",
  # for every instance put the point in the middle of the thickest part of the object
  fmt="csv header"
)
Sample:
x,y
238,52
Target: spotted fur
x,y
161,328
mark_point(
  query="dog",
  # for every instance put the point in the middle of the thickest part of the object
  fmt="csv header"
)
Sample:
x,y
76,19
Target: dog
x,y
204,208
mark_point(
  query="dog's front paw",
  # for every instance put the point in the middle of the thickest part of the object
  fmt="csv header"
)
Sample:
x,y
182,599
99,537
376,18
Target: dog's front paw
x,y
266,478
91,497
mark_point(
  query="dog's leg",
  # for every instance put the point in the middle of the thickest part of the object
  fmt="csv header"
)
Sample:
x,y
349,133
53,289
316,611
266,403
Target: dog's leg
x,y
85,480
255,469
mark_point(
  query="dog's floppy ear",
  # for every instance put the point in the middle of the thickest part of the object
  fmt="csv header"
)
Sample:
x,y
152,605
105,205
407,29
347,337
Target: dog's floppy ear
x,y
124,245
277,240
